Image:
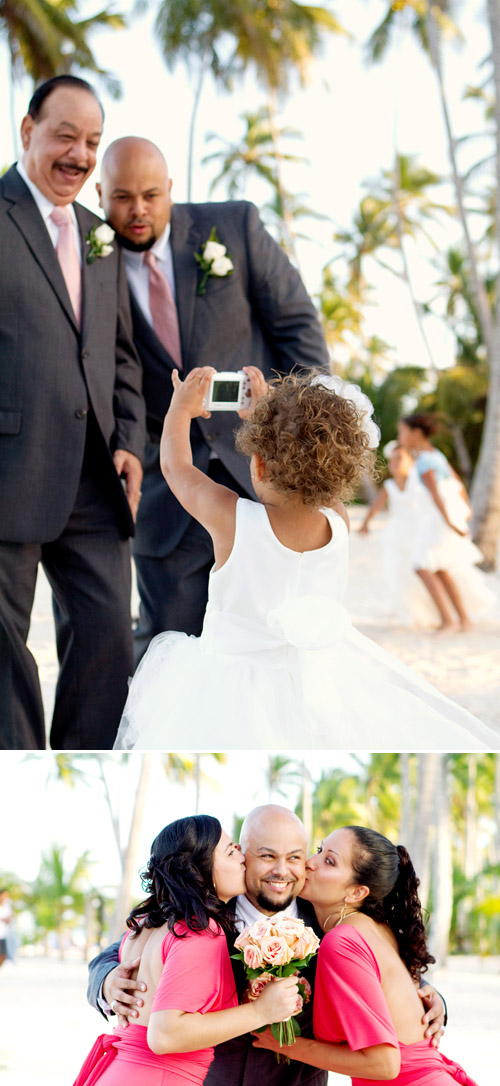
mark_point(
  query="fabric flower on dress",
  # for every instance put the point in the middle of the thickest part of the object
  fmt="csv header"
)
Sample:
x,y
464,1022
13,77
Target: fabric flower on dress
x,y
363,405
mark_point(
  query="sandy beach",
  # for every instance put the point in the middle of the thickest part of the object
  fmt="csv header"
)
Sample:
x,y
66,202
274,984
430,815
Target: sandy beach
x,y
463,666
48,1027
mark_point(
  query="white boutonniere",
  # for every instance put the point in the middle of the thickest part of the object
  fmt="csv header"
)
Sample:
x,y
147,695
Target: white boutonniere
x,y
213,260
99,242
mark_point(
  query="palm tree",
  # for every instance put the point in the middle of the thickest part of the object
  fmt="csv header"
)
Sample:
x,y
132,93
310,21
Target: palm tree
x,y
44,38
58,896
281,772
229,37
251,156
429,19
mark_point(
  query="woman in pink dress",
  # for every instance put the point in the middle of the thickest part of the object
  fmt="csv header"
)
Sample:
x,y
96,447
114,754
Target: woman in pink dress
x,y
367,1011
180,932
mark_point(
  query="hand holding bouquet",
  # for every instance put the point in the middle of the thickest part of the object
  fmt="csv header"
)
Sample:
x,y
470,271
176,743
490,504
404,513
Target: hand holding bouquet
x,y
277,948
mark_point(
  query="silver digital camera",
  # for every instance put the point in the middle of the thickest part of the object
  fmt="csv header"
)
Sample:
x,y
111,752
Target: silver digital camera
x,y
228,392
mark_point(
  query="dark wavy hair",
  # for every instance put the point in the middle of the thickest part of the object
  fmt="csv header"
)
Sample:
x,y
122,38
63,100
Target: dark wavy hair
x,y
178,879
428,424
388,872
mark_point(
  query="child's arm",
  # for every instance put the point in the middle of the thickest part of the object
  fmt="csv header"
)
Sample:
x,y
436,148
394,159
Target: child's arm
x,y
210,503
376,507
429,480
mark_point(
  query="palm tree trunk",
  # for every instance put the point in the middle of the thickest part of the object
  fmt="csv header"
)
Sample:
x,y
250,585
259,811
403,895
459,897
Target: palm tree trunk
x,y
485,494
427,784
405,825
442,876
192,125
483,308
406,270
123,900
289,234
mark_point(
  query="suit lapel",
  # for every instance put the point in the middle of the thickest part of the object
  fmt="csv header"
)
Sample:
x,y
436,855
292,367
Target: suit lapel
x,y
185,240
26,216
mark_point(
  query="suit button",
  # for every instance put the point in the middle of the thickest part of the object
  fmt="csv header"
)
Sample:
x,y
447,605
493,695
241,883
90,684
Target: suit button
x,y
80,414
211,436
85,354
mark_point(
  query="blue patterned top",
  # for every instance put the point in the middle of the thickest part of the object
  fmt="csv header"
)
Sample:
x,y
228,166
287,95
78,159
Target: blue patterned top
x,y
433,460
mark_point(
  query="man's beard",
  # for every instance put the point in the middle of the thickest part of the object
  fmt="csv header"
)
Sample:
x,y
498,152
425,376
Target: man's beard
x,y
272,906
133,246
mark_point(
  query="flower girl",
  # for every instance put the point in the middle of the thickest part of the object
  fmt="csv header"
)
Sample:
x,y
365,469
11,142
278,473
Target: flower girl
x,y
278,663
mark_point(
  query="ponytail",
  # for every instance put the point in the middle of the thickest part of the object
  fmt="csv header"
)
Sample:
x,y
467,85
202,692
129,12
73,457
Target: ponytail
x,y
388,872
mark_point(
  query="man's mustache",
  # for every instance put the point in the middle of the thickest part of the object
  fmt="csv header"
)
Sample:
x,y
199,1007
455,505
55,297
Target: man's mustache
x,y
72,166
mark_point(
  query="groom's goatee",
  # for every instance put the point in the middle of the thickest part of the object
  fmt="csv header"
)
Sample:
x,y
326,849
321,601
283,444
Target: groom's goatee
x,y
266,903
135,246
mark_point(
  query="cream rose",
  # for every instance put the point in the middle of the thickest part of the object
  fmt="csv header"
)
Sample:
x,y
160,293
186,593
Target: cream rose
x,y
214,251
257,986
222,266
105,235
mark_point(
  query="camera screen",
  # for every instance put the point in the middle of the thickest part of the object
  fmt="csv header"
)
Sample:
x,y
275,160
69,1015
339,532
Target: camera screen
x,y
225,391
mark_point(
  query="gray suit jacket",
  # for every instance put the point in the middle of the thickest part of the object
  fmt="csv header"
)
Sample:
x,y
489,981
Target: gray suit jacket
x,y
50,373
259,315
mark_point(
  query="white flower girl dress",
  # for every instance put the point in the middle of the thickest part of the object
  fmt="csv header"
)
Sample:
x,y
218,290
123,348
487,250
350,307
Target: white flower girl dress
x,y
279,665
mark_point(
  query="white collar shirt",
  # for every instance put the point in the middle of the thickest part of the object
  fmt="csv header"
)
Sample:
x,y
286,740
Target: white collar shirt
x,y
46,208
138,272
247,914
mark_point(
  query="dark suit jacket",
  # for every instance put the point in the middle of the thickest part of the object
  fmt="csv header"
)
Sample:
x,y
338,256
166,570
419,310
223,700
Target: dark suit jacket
x,y
50,372
236,1062
259,315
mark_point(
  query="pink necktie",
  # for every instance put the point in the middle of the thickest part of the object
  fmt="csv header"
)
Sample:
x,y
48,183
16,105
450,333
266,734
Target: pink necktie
x,y
163,309
68,258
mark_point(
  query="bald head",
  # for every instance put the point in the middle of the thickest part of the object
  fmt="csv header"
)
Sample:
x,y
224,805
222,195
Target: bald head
x,y
134,191
274,842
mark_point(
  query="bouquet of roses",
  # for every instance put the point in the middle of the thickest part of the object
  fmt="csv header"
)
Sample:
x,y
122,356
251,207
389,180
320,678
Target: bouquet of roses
x,y
277,948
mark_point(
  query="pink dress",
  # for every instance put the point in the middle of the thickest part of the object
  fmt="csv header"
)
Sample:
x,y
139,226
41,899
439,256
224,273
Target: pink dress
x,y
196,976
349,1005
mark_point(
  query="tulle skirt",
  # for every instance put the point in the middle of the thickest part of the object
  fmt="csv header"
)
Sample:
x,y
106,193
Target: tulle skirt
x,y
316,683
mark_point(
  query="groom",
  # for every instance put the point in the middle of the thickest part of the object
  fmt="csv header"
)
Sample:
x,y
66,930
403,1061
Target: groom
x,y
274,843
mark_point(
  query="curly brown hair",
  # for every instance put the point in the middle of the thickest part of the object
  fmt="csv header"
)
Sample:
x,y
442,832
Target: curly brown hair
x,y
310,439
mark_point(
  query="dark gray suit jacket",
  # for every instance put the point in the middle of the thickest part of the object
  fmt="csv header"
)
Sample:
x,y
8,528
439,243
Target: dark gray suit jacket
x,y
259,315
50,372
236,1062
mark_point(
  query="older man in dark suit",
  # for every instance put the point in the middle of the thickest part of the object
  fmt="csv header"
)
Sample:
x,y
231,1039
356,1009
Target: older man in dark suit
x,y
71,423
256,312
274,842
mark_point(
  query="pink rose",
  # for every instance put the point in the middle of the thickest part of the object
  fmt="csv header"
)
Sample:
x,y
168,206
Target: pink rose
x,y
256,987
298,1006
252,956
306,987
244,939
262,929
276,950
290,929
306,944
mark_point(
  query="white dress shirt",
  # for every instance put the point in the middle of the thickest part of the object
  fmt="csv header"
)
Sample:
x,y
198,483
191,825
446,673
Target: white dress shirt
x,y
247,914
138,272
46,208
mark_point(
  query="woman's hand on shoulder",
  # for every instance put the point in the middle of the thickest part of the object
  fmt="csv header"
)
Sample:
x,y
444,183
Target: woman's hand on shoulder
x,y
190,393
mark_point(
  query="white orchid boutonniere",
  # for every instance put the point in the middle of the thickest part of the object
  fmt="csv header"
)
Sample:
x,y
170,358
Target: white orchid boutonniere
x,y
213,260
99,242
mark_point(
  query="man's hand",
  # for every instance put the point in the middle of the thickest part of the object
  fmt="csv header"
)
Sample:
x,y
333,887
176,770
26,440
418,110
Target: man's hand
x,y
120,990
434,1014
130,468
